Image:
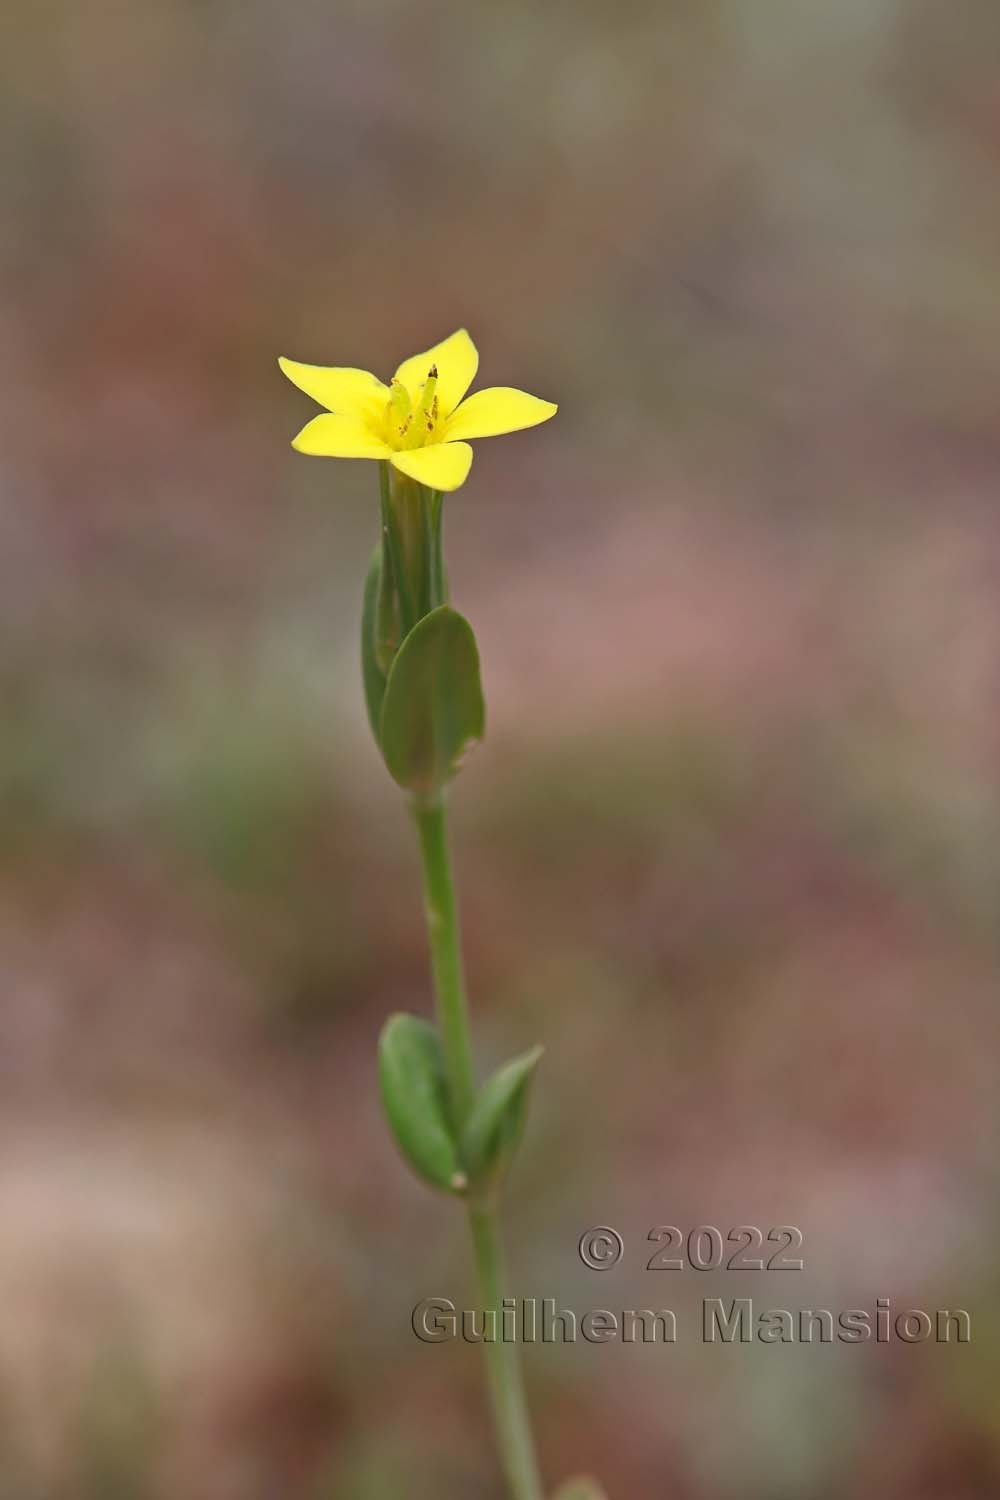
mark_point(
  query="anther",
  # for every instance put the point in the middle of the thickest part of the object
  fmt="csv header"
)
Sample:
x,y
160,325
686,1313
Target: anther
x,y
428,395
399,401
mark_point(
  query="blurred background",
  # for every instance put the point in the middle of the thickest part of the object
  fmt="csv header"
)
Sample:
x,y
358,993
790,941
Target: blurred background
x,y
732,847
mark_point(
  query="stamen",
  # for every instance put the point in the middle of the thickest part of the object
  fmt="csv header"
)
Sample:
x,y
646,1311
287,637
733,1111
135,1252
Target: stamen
x,y
412,422
399,405
427,410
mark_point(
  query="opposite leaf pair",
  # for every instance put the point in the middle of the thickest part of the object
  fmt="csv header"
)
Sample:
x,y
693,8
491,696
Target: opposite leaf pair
x,y
413,1082
427,711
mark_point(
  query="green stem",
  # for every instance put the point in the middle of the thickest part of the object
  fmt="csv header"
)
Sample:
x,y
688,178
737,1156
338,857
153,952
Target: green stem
x,y
510,1407
510,1411
446,955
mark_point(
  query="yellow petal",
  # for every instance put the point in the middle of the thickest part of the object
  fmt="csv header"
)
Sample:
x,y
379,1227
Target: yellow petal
x,y
354,392
339,436
498,409
457,360
442,466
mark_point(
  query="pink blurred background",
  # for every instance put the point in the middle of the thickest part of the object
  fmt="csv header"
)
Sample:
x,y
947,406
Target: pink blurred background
x,y
732,847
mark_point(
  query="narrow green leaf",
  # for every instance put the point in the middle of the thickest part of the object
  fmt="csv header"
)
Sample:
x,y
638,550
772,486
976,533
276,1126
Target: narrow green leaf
x,y
415,1098
372,674
582,1488
433,711
496,1121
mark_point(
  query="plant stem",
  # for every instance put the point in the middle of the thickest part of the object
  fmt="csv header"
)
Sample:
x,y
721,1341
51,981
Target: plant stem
x,y
510,1411
510,1407
446,955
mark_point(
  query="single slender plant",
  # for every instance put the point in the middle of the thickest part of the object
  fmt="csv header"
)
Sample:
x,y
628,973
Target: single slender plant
x,y
420,668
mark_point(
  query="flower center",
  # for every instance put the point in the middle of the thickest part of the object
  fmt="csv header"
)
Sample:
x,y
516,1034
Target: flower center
x,y
411,422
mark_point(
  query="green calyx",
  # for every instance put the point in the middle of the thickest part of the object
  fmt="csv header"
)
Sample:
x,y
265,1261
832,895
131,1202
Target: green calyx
x,y
419,659
411,540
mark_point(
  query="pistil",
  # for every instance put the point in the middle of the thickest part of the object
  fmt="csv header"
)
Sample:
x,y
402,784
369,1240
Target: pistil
x,y
427,411
411,426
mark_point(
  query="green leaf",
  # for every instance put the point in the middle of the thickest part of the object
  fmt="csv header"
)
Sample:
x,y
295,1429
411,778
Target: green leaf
x,y
496,1121
372,674
581,1488
414,1090
433,711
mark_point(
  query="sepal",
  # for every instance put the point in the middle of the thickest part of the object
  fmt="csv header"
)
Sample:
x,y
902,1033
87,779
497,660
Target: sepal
x,y
374,642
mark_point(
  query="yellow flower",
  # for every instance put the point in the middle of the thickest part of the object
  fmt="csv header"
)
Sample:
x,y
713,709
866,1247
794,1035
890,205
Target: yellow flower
x,y
419,422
